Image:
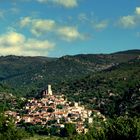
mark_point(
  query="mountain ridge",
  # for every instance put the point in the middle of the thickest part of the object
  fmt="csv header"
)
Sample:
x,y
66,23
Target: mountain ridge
x,y
113,91
28,74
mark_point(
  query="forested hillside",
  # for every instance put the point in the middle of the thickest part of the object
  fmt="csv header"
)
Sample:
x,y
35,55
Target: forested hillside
x,y
106,83
115,91
28,75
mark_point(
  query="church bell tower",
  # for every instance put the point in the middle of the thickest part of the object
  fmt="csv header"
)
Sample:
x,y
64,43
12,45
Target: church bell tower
x,y
49,90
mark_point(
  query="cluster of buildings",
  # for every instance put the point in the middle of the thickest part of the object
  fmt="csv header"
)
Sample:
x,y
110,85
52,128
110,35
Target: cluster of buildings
x,y
55,110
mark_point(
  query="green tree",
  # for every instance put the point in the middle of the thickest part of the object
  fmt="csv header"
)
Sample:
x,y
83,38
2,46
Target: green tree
x,y
50,109
123,128
68,130
59,106
8,130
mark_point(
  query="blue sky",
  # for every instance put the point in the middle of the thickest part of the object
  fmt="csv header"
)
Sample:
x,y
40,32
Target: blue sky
x,y
66,27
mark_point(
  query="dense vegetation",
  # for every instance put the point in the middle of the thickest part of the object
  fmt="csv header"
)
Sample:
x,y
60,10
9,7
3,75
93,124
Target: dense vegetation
x,y
28,75
123,128
109,83
115,91
8,130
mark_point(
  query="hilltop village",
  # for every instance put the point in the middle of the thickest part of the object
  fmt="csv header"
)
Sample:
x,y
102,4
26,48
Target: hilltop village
x,y
55,110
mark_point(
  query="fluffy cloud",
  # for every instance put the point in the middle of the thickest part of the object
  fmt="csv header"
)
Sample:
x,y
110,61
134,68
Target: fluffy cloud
x,y
40,27
137,10
100,25
25,21
64,3
83,17
69,33
130,21
17,44
67,3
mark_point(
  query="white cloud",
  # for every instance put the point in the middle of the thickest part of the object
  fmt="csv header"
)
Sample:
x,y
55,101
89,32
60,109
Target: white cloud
x,y
69,33
130,21
17,44
64,3
11,39
67,3
137,10
83,17
127,21
25,21
43,1
100,25
38,26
